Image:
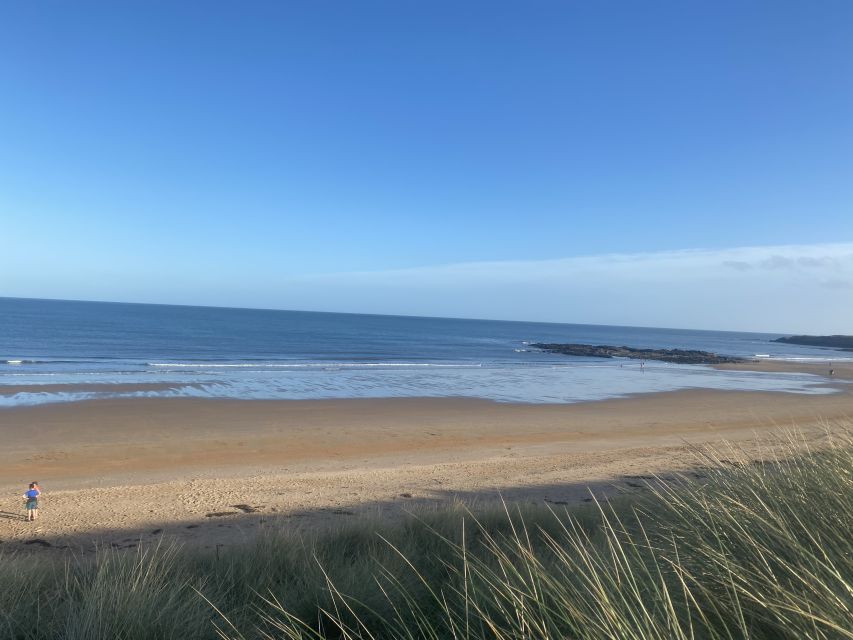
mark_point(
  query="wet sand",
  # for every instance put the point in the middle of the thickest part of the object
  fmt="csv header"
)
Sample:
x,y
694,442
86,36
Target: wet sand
x,y
95,387
211,471
841,370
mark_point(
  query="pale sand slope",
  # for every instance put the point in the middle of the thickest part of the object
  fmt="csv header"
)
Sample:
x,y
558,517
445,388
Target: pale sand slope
x,y
120,470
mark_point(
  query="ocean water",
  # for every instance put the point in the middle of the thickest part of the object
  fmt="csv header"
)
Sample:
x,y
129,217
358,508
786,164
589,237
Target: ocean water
x,y
63,351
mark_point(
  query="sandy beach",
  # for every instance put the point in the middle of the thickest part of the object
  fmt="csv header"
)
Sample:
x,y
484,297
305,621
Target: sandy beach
x,y
126,471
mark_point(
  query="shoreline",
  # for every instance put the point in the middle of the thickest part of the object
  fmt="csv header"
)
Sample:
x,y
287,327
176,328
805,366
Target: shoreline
x,y
575,382
59,440
145,464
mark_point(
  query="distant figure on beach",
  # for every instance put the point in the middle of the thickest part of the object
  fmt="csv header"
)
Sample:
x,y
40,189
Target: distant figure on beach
x,y
832,372
31,501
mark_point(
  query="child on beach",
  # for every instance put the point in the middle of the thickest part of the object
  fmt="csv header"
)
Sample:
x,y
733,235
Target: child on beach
x,y
31,501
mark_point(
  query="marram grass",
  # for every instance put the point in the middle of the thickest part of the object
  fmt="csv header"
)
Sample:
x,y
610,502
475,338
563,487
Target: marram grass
x,y
754,550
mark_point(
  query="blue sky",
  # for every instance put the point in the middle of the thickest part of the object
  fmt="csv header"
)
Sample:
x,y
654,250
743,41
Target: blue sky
x,y
229,153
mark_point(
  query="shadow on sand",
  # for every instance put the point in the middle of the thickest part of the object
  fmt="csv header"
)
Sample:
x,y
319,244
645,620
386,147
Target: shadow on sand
x,y
233,525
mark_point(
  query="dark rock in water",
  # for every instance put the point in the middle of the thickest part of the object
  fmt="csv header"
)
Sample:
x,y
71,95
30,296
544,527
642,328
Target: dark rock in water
x,y
680,356
836,342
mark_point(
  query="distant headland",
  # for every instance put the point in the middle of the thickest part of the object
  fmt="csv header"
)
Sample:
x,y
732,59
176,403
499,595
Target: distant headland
x,y
680,356
836,342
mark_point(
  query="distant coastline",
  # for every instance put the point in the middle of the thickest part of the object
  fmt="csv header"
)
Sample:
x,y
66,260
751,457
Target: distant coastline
x,y
844,343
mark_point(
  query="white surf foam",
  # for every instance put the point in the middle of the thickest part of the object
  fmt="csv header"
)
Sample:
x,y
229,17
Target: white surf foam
x,y
310,365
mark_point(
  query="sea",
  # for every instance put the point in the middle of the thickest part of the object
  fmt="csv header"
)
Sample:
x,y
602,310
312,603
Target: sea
x,y
68,351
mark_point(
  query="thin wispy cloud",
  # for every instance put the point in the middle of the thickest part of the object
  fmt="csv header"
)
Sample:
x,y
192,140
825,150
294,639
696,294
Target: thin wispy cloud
x,y
780,288
785,289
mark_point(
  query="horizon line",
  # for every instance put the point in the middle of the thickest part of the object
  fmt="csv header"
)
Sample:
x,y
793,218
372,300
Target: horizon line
x,y
383,315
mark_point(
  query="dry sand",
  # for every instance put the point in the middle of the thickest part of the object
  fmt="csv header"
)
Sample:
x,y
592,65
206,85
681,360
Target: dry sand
x,y
130,470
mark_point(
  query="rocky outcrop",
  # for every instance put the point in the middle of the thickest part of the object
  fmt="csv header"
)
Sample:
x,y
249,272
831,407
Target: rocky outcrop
x,y
680,356
836,342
